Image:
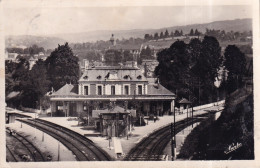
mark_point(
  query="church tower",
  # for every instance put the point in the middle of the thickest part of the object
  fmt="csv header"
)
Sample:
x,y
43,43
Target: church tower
x,y
112,40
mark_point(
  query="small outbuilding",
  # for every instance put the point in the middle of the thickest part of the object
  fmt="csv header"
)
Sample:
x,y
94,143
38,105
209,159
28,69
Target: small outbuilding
x,y
115,122
184,104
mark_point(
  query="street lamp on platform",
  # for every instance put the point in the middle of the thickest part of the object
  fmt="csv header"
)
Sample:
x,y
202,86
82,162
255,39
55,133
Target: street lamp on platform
x,y
173,136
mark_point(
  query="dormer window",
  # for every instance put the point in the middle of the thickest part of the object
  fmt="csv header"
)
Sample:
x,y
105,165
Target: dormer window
x,y
139,77
127,77
98,77
107,76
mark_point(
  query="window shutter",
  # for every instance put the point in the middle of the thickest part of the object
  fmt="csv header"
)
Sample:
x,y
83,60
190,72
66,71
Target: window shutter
x,y
118,89
108,89
79,90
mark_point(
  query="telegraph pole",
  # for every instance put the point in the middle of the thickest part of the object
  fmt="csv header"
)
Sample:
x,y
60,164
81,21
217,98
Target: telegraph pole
x,y
192,114
58,150
172,143
173,135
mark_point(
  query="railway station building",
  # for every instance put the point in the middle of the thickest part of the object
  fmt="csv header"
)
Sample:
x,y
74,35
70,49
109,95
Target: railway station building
x,y
126,87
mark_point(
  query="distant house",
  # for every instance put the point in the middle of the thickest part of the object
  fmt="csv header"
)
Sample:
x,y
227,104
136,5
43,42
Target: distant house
x,y
11,56
41,54
148,67
131,64
97,63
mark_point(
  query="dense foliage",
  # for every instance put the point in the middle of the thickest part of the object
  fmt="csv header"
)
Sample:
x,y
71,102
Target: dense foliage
x,y
234,126
228,36
189,70
62,67
235,63
32,85
34,49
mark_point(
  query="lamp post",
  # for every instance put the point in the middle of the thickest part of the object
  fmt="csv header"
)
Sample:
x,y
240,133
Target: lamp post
x,y
174,131
173,135
58,150
192,114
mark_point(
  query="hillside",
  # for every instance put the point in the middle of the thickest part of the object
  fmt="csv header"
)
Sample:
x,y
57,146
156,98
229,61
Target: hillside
x,y
51,41
28,40
240,25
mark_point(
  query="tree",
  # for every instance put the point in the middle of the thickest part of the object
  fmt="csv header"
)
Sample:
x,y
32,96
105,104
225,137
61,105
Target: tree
x,y
194,50
161,35
156,36
197,33
181,33
127,56
34,49
166,34
207,66
9,71
173,65
185,68
147,37
146,53
191,32
113,57
36,86
62,67
210,59
235,63
172,34
20,74
176,33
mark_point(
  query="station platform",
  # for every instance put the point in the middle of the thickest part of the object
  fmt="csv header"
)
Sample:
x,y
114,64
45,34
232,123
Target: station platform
x,y
137,134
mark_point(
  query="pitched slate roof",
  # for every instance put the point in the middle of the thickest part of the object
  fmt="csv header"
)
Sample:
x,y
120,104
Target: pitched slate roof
x,y
104,73
158,89
116,109
67,89
12,95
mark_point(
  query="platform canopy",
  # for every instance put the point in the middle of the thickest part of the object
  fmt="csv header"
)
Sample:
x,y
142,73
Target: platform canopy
x,y
114,110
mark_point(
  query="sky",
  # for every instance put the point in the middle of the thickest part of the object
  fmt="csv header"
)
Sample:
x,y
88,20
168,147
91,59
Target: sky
x,y
58,20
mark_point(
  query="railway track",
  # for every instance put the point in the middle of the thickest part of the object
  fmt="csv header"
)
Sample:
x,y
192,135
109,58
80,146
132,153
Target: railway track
x,y
10,153
151,147
34,152
83,148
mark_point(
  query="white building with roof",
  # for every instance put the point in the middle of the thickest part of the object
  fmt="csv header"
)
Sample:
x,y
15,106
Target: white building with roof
x,y
99,86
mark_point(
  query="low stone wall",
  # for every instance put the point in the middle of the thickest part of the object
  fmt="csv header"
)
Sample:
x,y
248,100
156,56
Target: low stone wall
x,y
30,110
205,106
35,110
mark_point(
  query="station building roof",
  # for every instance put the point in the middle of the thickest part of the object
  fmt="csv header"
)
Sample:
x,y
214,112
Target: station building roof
x,y
67,89
116,73
152,89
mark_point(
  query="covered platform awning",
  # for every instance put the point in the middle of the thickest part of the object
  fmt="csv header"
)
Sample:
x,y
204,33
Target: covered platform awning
x,y
112,111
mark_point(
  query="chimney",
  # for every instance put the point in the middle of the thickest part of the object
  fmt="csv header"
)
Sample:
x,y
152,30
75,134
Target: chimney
x,y
134,64
86,64
145,70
